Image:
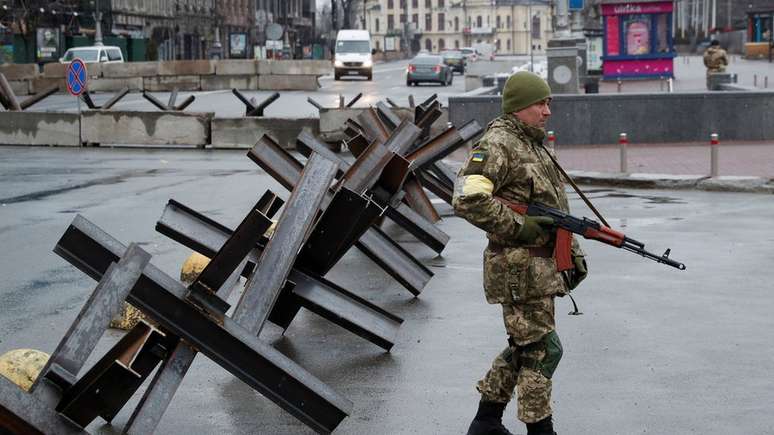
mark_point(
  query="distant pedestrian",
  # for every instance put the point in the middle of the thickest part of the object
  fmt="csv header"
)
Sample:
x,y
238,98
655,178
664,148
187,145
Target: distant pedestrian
x,y
715,58
509,166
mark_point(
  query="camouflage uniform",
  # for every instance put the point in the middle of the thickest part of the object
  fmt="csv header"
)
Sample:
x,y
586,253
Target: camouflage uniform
x,y
510,163
715,59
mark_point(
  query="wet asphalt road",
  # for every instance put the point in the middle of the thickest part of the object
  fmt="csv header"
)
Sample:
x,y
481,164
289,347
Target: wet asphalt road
x,y
657,350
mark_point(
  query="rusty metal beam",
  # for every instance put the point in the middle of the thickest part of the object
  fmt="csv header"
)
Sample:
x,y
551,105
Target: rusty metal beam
x,y
372,125
23,413
229,344
24,105
442,145
277,259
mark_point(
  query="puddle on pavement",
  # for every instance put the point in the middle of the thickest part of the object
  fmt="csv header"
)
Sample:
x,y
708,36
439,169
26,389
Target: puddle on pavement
x,y
612,193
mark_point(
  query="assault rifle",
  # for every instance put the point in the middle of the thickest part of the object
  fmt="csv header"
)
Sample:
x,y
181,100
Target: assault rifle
x,y
593,230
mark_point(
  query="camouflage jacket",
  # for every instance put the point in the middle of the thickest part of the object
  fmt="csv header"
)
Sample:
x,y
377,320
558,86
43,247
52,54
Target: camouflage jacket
x,y
715,59
510,162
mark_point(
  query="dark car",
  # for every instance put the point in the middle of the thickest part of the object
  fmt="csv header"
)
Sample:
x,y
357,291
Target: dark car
x,y
427,68
455,59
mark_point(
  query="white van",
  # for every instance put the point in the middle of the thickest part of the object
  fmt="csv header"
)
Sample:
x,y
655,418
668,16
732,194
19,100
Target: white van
x,y
352,55
94,54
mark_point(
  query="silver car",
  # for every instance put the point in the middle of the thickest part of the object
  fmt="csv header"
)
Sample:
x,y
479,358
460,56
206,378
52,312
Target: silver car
x,y
426,68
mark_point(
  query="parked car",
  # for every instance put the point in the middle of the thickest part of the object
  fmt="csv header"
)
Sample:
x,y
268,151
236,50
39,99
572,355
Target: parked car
x,y
426,68
470,53
455,59
94,54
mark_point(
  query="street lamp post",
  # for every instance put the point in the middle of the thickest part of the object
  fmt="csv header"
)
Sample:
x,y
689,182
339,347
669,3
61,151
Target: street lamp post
x,y
97,24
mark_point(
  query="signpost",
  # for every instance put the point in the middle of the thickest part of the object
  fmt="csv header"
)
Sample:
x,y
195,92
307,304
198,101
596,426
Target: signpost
x,y
77,77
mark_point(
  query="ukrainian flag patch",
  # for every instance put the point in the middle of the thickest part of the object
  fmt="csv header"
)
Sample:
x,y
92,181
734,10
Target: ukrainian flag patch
x,y
477,157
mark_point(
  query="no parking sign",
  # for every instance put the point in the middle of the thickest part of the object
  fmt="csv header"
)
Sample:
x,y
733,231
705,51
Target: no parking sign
x,y
76,77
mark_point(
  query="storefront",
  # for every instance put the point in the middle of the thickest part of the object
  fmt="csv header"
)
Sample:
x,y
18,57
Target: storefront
x,y
638,40
759,26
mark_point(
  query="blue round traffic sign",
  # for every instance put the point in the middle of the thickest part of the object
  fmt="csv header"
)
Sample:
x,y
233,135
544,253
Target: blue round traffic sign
x,y
76,77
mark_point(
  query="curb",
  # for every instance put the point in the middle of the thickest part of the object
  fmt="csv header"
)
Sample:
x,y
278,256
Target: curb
x,y
745,184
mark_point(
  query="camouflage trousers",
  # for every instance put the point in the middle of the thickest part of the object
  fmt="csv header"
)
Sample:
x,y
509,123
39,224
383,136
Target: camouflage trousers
x,y
526,323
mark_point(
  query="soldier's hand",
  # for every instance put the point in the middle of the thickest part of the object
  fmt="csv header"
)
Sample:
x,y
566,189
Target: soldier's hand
x,y
579,273
533,228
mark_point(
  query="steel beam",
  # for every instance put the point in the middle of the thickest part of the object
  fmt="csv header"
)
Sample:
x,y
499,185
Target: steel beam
x,y
229,345
396,261
433,184
23,413
294,225
442,145
372,125
84,333
196,231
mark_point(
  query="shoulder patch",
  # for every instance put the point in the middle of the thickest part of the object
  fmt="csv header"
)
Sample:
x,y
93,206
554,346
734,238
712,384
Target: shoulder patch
x,y
478,157
476,162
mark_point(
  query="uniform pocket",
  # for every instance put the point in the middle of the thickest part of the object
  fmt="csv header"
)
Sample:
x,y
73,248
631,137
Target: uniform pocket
x,y
496,277
518,270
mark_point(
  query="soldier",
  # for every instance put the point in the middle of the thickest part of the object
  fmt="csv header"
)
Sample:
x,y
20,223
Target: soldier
x,y
510,165
715,58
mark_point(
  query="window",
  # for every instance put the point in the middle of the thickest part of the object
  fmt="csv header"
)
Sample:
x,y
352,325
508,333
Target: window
x,y
414,4
498,45
402,18
508,21
535,27
428,23
479,23
456,24
508,44
390,22
498,22
376,26
390,4
428,44
440,3
636,34
377,45
441,44
441,22
403,4
415,18
456,43
428,4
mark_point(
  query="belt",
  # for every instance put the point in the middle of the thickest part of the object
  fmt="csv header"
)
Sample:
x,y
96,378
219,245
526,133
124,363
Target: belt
x,y
535,251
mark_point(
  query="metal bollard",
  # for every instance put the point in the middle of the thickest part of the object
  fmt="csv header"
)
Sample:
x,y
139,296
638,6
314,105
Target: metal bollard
x,y
619,85
670,85
551,138
755,80
766,82
714,148
623,141
661,84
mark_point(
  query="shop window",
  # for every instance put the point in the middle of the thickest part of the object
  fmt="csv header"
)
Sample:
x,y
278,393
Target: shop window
x,y
637,34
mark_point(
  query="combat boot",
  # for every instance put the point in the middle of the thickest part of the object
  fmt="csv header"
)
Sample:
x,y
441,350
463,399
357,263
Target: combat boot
x,y
488,420
542,427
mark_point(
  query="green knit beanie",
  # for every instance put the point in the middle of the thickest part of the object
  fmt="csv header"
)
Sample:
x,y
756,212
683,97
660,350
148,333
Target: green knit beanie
x,y
523,89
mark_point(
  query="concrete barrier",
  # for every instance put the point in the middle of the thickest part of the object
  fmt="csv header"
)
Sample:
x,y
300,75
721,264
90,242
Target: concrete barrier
x,y
186,68
150,128
168,83
647,118
42,83
332,121
39,128
216,82
114,84
236,67
288,82
295,67
245,132
130,69
21,71
20,87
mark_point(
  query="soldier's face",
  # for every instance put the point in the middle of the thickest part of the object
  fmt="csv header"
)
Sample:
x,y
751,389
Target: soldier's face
x,y
537,114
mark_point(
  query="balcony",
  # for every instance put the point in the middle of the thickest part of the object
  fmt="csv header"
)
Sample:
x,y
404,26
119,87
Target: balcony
x,y
479,30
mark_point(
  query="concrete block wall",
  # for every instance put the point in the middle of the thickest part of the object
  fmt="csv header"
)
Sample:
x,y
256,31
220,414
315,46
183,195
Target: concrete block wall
x,y
245,132
39,128
186,75
146,128
646,118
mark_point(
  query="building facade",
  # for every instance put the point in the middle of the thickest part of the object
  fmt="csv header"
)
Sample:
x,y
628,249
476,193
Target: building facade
x,y
297,18
510,26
